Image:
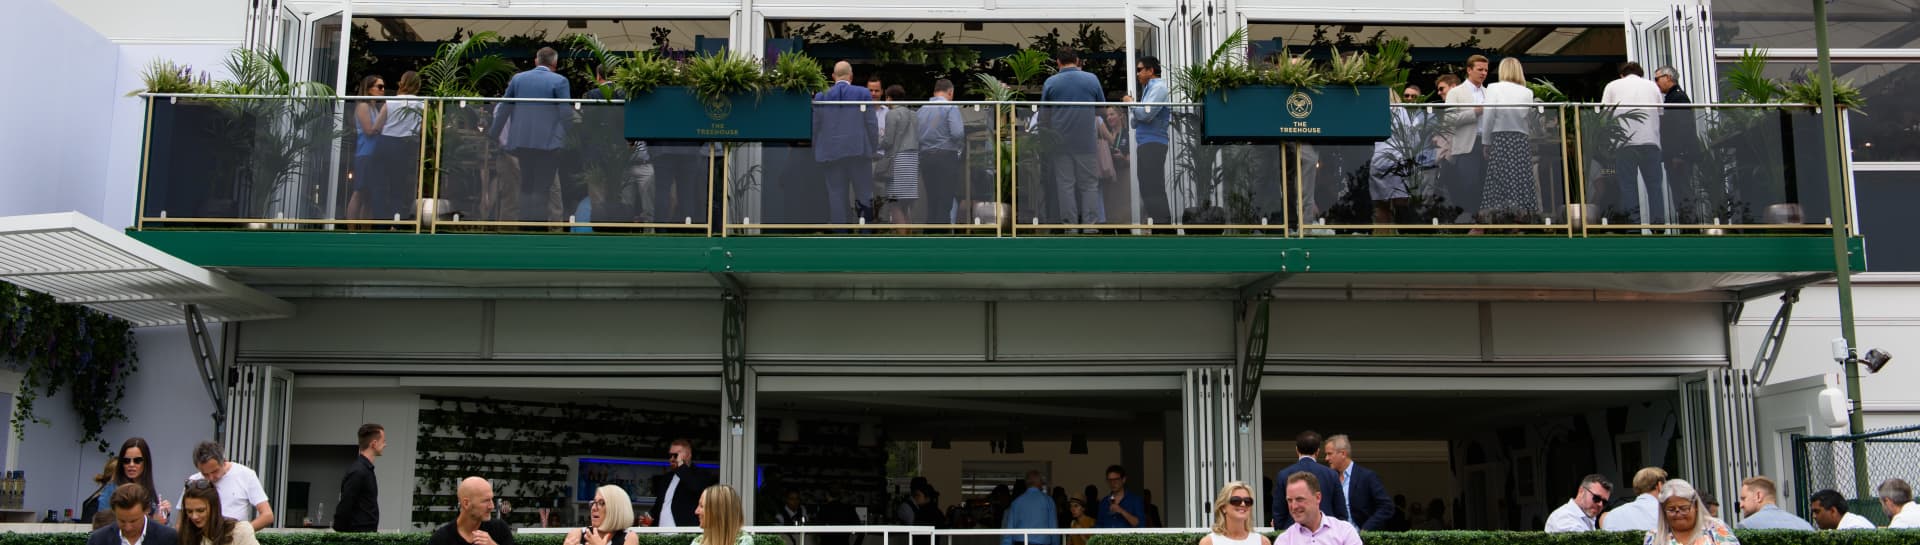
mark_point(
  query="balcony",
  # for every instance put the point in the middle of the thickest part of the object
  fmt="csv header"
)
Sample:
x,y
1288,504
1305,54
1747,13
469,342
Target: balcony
x,y
286,183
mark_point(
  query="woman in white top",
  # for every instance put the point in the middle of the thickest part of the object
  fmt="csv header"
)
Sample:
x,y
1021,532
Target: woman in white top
x,y
398,151
1511,195
1233,518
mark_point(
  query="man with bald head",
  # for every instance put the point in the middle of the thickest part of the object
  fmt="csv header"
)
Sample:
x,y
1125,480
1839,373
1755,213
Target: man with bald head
x,y
474,523
845,143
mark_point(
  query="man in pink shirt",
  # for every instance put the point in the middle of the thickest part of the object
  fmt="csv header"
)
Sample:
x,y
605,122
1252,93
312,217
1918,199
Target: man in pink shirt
x,y
1310,526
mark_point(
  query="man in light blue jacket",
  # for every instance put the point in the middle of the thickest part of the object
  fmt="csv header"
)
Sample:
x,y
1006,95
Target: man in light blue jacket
x,y
1150,132
1758,509
537,131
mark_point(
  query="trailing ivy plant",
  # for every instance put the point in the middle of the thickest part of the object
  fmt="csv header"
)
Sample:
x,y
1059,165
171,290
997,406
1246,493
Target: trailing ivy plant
x,y
64,347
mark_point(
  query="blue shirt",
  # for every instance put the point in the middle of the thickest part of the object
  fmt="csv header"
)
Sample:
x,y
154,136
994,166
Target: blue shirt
x,y
1150,122
940,127
1109,518
1031,510
1072,125
1771,517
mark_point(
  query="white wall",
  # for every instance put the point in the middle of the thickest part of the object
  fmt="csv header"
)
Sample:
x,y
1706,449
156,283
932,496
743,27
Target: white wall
x,y
165,403
1886,316
53,145
171,21
332,417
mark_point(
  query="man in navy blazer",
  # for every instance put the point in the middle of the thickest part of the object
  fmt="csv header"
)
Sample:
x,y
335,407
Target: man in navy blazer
x,y
845,142
536,130
1332,502
131,524
1367,498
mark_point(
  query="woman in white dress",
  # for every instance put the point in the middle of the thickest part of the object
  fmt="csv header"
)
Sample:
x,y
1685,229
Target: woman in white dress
x,y
1233,513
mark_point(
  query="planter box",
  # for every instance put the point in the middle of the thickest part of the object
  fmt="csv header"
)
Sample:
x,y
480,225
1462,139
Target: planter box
x,y
672,113
1334,113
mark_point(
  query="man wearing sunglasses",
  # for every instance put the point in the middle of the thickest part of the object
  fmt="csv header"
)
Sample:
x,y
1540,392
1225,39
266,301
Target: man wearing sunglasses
x,y
1578,515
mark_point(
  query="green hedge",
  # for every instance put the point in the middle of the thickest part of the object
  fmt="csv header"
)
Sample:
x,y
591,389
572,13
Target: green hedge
x,y
1747,537
330,538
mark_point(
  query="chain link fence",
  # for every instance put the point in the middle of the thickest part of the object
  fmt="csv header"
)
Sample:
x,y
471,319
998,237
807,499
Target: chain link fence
x,y
1821,463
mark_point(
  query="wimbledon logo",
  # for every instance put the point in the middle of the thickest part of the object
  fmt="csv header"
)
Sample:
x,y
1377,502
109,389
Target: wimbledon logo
x,y
1299,105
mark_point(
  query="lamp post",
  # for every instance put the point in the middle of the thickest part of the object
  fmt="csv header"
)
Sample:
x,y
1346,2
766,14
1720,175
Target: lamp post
x,y
1842,273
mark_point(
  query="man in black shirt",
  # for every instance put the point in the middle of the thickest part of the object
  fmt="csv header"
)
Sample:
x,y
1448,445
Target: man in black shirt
x,y
474,525
360,491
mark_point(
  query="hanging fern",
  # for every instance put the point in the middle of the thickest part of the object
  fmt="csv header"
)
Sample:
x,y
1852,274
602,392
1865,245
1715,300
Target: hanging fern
x,y
64,347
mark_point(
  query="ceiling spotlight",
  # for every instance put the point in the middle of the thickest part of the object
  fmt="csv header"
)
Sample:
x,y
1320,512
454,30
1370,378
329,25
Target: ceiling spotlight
x,y
1079,445
1014,444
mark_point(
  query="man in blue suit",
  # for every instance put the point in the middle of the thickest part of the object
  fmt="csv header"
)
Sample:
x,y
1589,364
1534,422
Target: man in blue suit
x,y
1367,498
845,142
1332,502
535,130
131,524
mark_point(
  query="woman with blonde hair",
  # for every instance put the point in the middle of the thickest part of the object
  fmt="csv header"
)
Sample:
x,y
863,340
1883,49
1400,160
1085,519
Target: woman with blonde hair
x,y
1685,521
1233,517
1511,195
608,518
721,517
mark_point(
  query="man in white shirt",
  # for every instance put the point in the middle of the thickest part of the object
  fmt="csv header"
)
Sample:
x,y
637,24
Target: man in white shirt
x,y
1645,509
1641,153
238,485
1829,510
1579,513
1466,164
1896,500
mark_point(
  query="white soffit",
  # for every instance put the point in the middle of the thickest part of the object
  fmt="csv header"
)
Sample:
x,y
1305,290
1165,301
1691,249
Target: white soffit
x,y
80,261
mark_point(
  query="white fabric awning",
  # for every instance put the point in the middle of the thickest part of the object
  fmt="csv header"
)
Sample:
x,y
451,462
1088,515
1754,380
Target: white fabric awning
x,y
81,261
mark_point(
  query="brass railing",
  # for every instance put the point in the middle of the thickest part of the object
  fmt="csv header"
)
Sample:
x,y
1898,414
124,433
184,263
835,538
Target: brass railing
x,y
432,165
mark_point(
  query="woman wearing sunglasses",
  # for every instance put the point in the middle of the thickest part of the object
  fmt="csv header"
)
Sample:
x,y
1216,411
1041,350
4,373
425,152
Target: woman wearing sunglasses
x,y
201,522
136,462
608,518
1233,518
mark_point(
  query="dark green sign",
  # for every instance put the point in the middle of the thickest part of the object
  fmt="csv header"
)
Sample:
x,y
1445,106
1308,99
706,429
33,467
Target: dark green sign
x,y
673,113
1330,113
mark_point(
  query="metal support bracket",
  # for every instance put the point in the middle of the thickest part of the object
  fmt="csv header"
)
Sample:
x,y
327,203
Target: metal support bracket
x,y
1769,352
208,362
1252,319
733,354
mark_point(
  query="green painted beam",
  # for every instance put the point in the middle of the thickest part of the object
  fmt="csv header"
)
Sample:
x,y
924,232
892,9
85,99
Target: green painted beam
x,y
1158,254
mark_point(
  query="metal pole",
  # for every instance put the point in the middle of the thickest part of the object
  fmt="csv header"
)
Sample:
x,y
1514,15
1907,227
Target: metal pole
x,y
1830,130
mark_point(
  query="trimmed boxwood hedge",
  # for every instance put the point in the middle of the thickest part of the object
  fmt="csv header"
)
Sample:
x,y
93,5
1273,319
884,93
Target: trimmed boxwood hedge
x,y
1747,537
331,538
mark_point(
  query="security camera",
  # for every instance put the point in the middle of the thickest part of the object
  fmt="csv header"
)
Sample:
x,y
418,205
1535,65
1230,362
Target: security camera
x,y
1840,350
1876,359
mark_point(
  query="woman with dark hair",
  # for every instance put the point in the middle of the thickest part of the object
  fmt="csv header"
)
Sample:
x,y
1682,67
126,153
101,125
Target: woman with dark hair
x,y
202,523
136,463
369,118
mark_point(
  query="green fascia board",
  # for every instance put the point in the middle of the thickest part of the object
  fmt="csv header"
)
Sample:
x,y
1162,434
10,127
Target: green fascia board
x,y
1156,254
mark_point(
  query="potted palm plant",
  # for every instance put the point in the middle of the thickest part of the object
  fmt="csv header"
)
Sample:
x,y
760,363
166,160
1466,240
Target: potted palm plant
x,y
725,96
1294,98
